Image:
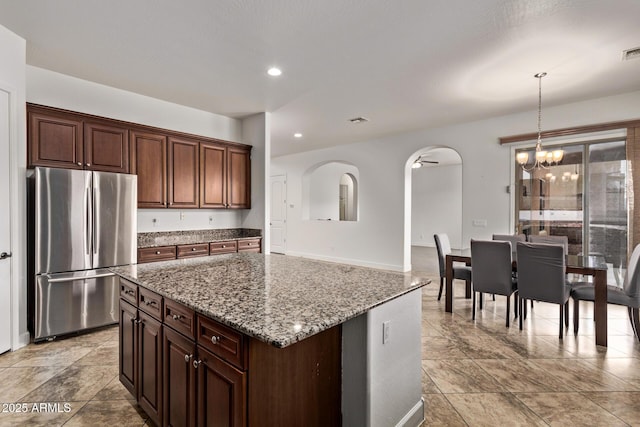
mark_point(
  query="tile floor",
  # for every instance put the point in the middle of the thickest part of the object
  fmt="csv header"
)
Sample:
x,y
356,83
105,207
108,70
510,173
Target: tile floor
x,y
475,374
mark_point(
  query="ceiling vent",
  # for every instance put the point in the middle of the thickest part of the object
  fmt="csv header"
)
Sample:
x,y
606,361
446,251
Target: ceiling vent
x,y
359,120
631,54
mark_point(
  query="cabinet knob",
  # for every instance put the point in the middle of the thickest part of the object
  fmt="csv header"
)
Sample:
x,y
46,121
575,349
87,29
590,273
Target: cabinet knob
x,y
224,246
79,163
177,317
196,363
215,340
137,321
88,165
157,252
150,302
188,357
193,249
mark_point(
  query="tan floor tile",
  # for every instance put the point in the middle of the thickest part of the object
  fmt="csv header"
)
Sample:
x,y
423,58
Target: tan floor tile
x,y
18,382
564,409
74,383
522,376
483,346
114,391
55,414
583,376
534,347
439,412
624,405
428,386
105,354
53,356
460,376
109,413
493,409
440,348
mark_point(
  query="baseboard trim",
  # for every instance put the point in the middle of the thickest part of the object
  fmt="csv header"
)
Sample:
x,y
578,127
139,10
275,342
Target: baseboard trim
x,y
414,417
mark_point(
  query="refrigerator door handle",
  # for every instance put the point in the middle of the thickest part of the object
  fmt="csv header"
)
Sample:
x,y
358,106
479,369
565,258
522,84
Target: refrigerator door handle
x,y
94,233
89,222
74,278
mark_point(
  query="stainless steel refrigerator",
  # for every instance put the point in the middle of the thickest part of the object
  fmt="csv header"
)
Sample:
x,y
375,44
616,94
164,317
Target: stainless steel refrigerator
x,y
81,222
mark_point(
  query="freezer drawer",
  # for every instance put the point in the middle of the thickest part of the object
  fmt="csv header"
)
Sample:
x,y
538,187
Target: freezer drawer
x,y
71,302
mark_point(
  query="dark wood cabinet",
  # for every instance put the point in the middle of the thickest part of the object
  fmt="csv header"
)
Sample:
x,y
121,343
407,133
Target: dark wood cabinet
x,y
54,139
190,251
222,392
149,163
250,245
140,339
183,176
238,178
180,380
106,147
159,253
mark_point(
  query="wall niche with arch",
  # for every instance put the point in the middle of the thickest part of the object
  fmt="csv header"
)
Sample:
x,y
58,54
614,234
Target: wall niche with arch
x,y
330,192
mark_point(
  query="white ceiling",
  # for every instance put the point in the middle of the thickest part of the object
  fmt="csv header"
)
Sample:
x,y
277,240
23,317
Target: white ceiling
x,y
404,64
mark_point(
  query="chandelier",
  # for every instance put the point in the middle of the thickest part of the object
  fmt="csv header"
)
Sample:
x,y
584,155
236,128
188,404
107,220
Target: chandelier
x,y
543,159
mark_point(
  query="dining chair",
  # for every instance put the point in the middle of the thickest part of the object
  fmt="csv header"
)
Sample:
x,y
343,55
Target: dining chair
x,y
628,295
444,248
512,238
552,240
542,277
491,270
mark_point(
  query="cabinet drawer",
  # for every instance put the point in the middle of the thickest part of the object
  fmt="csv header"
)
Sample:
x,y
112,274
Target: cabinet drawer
x,y
222,341
186,251
180,318
129,291
159,253
150,302
217,248
249,245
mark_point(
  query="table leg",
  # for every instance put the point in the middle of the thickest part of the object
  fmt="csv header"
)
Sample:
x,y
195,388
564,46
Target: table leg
x,y
600,283
448,294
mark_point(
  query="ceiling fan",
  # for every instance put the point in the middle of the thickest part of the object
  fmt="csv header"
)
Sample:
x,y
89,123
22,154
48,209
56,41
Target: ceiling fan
x,y
420,161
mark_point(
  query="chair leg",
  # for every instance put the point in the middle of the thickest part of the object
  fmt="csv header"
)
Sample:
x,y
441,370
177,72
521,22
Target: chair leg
x,y
566,314
523,309
467,291
520,304
508,309
515,305
473,306
560,320
441,287
576,316
481,301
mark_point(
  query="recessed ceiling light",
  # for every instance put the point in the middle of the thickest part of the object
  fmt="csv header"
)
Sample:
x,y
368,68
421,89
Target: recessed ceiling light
x,y
274,71
297,135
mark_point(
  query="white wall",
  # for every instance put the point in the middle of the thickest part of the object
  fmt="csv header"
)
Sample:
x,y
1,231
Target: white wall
x,y
378,239
436,204
58,90
12,80
256,131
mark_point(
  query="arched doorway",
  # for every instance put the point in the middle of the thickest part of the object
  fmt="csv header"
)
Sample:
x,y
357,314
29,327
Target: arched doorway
x,y
433,204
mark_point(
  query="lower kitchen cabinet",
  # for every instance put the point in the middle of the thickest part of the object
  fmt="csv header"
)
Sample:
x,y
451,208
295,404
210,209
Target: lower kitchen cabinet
x,y
200,388
141,358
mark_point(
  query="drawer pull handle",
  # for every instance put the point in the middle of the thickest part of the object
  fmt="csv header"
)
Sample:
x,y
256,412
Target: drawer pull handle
x,y
188,357
137,321
224,246
150,302
177,316
129,292
193,249
215,340
157,252
196,363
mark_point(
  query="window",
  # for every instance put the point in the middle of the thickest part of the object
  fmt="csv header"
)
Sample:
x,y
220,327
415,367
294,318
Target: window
x,y
583,198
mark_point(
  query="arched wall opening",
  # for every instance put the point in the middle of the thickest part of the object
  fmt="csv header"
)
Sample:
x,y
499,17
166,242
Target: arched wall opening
x,y
433,199
330,192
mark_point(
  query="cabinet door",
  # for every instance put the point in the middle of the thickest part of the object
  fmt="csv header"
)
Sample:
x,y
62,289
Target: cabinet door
x,y
54,139
184,186
180,381
222,392
128,352
213,176
150,366
106,147
238,178
149,162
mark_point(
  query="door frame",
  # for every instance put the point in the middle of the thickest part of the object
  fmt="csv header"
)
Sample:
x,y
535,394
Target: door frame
x,y
282,177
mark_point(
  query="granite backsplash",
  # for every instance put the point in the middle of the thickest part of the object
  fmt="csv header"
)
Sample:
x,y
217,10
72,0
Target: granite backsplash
x,y
188,237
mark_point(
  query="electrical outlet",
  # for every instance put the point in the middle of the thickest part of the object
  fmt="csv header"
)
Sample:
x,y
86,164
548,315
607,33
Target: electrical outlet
x,y
386,326
181,216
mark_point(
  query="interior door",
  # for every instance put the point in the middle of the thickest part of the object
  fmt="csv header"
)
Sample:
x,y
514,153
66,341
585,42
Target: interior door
x,y
278,221
5,242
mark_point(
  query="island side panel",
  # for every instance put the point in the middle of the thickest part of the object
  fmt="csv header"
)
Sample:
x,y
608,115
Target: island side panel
x,y
296,385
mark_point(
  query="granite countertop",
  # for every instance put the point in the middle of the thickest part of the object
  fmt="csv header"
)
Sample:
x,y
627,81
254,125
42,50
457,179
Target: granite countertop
x,y
277,299
190,237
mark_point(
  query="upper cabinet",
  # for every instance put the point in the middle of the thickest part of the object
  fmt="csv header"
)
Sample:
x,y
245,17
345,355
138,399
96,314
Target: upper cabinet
x,y
149,162
225,176
66,140
175,170
184,183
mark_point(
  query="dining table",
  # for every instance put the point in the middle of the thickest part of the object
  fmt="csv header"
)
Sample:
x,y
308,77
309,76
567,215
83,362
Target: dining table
x,y
592,265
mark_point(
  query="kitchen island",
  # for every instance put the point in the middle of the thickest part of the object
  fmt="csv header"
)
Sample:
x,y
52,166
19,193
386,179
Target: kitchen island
x,y
254,339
